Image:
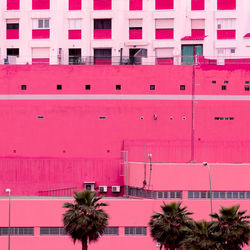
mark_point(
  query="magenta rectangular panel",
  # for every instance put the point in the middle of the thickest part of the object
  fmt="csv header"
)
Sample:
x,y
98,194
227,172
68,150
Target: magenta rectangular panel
x,y
198,5
164,4
40,60
13,4
40,4
135,33
164,34
226,4
226,34
12,34
102,4
75,4
102,34
198,33
75,34
41,34
135,4
165,61
101,61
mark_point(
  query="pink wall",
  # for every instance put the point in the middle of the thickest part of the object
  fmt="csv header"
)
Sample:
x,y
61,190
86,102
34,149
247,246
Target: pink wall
x,y
75,34
40,60
13,4
135,4
164,4
226,34
40,4
197,4
102,61
41,34
102,4
226,4
165,61
103,34
135,34
75,4
164,34
12,34
198,33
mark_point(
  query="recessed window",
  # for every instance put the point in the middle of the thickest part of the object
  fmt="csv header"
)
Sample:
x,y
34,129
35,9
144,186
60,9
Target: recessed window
x,y
226,82
135,231
152,87
223,87
118,87
87,86
17,231
52,231
247,88
111,231
213,82
59,87
40,117
182,87
246,82
23,87
102,117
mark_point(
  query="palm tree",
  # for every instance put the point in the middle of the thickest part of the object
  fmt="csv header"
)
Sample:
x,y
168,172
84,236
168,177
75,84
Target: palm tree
x,y
85,220
231,228
200,236
168,227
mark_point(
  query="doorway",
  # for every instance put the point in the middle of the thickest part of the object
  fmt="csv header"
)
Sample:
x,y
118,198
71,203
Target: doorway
x,y
189,53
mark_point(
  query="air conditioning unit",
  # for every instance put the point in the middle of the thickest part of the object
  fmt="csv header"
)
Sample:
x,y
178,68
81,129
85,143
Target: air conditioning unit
x,y
89,185
103,189
116,189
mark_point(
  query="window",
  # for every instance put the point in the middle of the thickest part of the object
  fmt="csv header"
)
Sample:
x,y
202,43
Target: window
x,y
102,28
226,28
40,28
164,4
182,87
102,4
75,56
23,87
12,29
102,56
218,195
164,56
118,87
13,4
75,4
40,4
13,52
152,87
87,86
164,28
226,4
135,29
40,55
247,88
135,231
169,194
59,87
111,231
223,87
74,29
17,231
52,231
135,4
197,4
198,28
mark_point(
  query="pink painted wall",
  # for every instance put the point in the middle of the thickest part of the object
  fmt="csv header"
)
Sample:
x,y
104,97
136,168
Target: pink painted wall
x,y
135,4
226,4
40,60
75,34
12,34
198,33
197,4
48,213
226,34
103,34
41,34
13,4
135,34
165,61
164,4
75,4
40,4
102,61
102,4
164,34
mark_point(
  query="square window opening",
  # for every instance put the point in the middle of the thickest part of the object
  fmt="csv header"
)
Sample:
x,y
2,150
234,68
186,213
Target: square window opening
x,y
223,87
152,87
87,86
59,87
23,87
118,87
182,87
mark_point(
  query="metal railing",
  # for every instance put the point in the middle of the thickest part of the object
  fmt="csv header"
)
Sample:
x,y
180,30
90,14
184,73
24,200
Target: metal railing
x,y
57,192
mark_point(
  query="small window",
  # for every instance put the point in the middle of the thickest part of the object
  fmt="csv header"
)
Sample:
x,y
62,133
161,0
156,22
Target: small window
x,y
196,195
226,82
216,195
102,117
223,87
203,195
190,195
165,195
222,195
235,195
160,195
118,87
229,195
111,231
182,87
152,87
248,195
213,82
178,194
242,195
87,86
247,88
135,231
59,87
23,87
246,82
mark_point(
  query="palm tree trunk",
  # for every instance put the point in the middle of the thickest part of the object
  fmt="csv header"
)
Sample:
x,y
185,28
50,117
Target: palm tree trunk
x,y
84,245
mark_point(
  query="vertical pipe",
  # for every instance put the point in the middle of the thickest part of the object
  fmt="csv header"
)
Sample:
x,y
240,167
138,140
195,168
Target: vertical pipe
x,y
210,186
9,223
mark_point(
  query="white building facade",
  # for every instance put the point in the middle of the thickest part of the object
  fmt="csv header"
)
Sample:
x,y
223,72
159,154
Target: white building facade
x,y
121,31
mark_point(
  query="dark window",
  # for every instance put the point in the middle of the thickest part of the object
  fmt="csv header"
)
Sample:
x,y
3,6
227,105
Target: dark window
x,y
190,195
23,87
111,231
222,195
59,86
223,87
75,56
235,195
17,231
203,195
52,231
152,87
135,28
242,195
196,195
247,88
229,195
13,52
182,87
135,231
102,24
226,82
160,195
178,195
213,82
87,86
216,195
246,82
165,195
12,26
102,53
102,117
248,195
118,87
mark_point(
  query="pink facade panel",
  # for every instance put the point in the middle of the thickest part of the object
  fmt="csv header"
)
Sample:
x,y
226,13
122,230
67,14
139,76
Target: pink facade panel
x,y
198,33
197,4
226,4
164,34
40,4
40,60
165,61
74,34
103,34
102,61
41,34
75,4
226,34
135,34
13,4
164,4
12,34
102,4
135,4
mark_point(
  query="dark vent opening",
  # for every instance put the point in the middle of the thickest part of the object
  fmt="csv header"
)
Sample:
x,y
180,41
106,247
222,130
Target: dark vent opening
x,y
223,87
182,87
152,87
87,86
59,87
213,82
247,88
226,82
23,87
246,82
118,87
